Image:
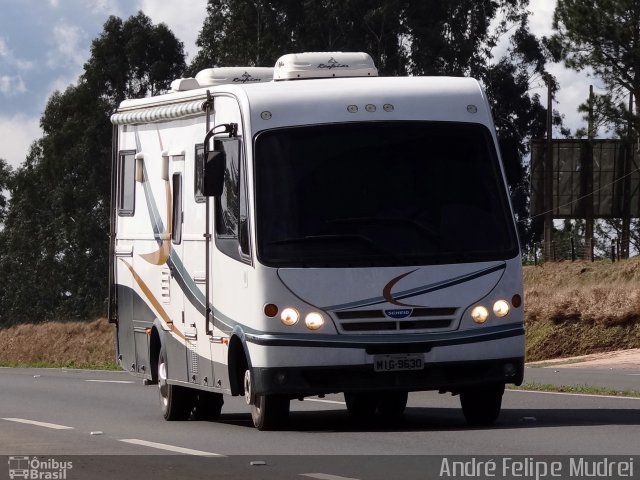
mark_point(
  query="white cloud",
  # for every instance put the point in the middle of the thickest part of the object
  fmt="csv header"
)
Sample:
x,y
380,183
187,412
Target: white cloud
x,y
17,133
70,46
10,59
54,3
12,85
184,18
105,7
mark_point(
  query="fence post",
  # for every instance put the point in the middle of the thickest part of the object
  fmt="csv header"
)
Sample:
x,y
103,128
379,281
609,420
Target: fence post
x,y
535,254
573,251
553,246
613,252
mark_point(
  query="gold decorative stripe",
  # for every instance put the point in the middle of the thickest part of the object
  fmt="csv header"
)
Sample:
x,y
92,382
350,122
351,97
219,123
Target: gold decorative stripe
x,y
154,301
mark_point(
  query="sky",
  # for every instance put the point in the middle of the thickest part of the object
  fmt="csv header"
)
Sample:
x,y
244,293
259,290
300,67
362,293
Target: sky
x,y
45,43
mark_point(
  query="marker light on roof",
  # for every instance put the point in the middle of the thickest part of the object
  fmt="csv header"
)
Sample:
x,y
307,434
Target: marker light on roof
x,y
298,66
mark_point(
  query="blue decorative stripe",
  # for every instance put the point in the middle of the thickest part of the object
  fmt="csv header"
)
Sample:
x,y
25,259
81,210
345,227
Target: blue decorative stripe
x,y
414,292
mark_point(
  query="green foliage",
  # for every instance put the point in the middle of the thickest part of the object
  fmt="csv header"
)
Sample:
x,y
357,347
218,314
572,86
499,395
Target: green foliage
x,y
603,36
54,245
133,59
5,177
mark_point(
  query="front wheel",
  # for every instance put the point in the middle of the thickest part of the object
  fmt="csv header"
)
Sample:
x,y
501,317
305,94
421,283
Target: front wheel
x,y
176,402
481,405
268,412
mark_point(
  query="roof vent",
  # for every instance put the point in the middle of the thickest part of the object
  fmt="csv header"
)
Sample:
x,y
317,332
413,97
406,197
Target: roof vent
x,y
298,66
211,77
182,84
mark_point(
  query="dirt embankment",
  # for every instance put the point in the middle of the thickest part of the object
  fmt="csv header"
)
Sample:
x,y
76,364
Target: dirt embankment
x,y
581,308
63,344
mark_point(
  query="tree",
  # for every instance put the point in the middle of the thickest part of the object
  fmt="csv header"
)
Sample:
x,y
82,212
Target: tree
x,y
133,59
54,247
5,177
258,32
603,36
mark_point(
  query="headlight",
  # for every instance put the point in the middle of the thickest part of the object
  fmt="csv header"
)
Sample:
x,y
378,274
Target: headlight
x,y
314,321
289,316
479,314
501,308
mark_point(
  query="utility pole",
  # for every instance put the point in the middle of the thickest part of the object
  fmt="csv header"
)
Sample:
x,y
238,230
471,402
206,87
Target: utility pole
x,y
587,171
626,192
548,178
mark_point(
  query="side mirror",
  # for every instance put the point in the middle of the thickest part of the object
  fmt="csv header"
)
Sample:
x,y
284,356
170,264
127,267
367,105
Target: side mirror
x,y
214,168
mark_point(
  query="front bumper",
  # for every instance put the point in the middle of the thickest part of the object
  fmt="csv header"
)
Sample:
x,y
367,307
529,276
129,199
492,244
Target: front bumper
x,y
450,376
301,365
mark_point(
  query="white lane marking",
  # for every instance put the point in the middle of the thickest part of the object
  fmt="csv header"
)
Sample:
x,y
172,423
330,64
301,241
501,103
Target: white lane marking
x,y
633,374
576,394
110,381
320,400
39,424
171,448
325,476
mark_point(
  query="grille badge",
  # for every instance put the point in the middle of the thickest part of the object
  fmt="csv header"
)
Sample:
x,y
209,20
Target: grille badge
x,y
398,313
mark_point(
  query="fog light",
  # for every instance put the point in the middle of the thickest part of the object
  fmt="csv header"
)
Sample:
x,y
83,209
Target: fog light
x,y
510,370
289,316
501,308
479,314
314,321
281,378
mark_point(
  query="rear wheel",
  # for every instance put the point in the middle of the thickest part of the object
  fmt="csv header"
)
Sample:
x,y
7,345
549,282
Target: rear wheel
x,y
392,404
268,412
208,406
481,405
176,402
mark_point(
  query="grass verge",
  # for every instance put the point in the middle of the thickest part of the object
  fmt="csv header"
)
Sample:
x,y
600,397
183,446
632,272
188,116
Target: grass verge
x,y
580,389
88,345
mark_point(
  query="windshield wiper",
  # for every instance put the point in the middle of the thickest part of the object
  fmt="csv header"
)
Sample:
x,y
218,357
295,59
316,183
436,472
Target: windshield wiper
x,y
335,237
427,231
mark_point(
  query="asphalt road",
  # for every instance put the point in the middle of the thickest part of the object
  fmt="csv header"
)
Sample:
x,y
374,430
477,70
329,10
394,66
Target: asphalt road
x,y
115,423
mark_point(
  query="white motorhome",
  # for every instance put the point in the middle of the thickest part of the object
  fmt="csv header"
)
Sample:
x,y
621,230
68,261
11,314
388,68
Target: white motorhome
x,y
314,229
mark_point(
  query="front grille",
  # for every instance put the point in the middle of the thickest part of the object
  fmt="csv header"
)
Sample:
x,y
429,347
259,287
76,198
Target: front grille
x,y
420,320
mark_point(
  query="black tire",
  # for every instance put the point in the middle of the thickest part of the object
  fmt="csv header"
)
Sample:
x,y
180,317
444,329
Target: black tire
x,y
392,404
176,402
361,406
481,405
208,406
268,412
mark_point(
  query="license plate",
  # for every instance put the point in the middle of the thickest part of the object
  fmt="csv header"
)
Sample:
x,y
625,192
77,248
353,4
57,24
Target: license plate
x,y
396,363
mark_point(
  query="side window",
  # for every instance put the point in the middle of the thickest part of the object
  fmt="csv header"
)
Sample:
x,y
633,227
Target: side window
x,y
126,183
228,206
176,210
198,174
231,209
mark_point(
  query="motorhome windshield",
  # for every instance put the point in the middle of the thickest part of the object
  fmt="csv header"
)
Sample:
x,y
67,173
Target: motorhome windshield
x,y
380,194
